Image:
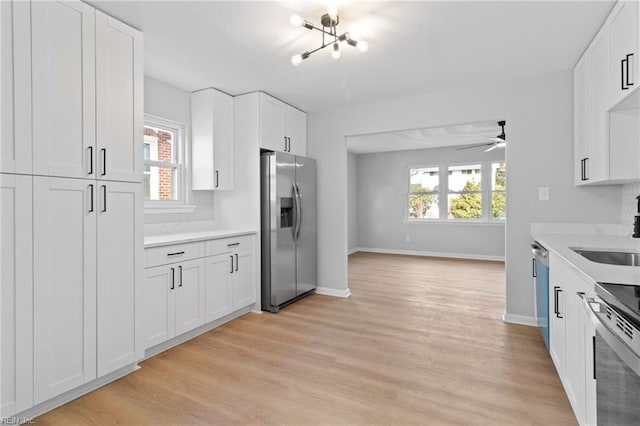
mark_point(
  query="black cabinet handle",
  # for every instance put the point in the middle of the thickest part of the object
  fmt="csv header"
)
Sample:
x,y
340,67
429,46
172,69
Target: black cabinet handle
x,y
178,253
593,348
628,62
90,160
91,197
103,151
289,139
622,66
231,264
180,273
285,144
582,170
556,291
534,273
236,262
585,174
173,278
233,244
104,198
217,180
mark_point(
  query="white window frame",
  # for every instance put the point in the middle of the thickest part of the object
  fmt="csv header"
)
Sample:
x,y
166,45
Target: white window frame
x,y
443,194
181,203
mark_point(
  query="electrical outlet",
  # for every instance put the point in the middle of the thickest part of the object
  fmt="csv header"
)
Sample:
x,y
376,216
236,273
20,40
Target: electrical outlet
x,y
543,193
407,238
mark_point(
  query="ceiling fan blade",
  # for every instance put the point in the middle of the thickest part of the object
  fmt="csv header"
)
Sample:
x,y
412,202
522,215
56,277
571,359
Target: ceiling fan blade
x,y
474,146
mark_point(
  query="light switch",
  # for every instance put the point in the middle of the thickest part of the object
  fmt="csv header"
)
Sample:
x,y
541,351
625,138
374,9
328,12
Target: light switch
x,y
543,193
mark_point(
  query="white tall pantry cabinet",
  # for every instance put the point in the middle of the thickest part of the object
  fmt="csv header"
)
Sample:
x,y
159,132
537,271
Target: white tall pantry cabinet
x,y
72,221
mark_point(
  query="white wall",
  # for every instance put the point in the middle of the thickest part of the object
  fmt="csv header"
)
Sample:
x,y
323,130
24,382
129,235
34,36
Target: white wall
x,y
352,197
166,101
539,115
382,197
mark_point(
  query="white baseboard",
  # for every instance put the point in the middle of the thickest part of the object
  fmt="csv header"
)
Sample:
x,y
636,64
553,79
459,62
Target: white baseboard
x,y
433,254
353,250
333,292
519,319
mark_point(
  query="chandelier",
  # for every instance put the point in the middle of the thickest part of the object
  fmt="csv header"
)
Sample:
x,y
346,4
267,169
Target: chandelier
x,y
329,21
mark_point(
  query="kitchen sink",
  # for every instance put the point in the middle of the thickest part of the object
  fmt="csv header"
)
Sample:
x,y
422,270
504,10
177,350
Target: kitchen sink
x,y
610,257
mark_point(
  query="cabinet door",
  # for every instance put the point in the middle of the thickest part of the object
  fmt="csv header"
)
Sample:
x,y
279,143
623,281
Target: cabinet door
x,y
598,163
189,295
297,131
582,122
120,265
16,337
244,280
64,285
272,124
557,325
119,83
212,140
574,355
158,307
218,299
63,84
624,50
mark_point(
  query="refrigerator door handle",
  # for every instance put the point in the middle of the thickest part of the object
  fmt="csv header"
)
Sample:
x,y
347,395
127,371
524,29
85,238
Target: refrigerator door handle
x,y
299,212
297,207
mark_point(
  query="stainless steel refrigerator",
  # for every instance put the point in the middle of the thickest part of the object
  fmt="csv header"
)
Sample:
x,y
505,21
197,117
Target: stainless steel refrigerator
x,y
289,229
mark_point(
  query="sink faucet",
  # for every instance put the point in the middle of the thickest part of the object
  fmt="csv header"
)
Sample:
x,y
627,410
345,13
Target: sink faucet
x,y
636,223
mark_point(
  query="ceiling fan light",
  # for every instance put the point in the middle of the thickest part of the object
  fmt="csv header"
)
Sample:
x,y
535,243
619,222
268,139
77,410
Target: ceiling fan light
x,y
335,54
363,46
296,60
296,20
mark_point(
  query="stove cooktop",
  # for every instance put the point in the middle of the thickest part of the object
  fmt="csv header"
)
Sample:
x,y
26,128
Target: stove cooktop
x,y
623,297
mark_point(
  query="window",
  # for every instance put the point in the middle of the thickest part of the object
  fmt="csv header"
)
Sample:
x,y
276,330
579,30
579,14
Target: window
x,y
457,192
164,166
423,193
464,198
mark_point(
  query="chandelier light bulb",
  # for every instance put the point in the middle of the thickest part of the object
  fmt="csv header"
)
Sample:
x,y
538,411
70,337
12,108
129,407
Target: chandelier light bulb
x,y
296,20
336,51
362,46
296,60
332,9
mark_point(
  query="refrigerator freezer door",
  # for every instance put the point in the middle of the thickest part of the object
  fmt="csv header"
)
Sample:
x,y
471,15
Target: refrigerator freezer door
x,y
279,219
306,244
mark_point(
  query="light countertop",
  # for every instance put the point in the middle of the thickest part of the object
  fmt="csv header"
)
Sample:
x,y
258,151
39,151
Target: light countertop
x,y
561,245
188,237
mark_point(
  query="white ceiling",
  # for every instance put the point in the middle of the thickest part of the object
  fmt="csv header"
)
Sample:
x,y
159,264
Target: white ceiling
x,y
434,137
414,47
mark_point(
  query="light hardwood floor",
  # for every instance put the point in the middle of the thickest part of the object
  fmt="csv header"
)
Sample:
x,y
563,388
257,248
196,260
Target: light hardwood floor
x,y
420,341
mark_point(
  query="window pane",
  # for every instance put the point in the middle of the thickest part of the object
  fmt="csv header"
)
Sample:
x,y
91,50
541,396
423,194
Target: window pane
x,y
162,183
423,179
498,205
161,144
498,176
423,206
465,178
147,151
465,206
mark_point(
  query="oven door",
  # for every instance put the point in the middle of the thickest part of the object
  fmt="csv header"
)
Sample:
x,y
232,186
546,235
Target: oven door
x,y
617,365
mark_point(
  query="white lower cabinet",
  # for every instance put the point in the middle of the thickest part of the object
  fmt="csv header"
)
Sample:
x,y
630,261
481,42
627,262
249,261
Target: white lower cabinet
x,y
218,288
173,300
571,335
16,308
243,279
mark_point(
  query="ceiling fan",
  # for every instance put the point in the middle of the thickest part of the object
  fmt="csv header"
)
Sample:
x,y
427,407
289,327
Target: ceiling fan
x,y
499,141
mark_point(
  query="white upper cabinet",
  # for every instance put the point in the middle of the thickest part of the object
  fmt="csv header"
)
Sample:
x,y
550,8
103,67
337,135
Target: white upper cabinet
x,y
623,27
212,140
63,88
607,102
119,92
282,127
77,93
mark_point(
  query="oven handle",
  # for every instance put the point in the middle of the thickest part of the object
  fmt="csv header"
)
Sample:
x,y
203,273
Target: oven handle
x,y
595,309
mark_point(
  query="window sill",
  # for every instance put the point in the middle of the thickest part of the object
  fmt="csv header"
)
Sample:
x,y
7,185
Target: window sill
x,y
175,209
454,222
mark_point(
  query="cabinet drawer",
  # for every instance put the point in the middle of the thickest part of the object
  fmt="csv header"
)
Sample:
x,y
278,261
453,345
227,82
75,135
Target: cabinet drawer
x,y
174,253
225,245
